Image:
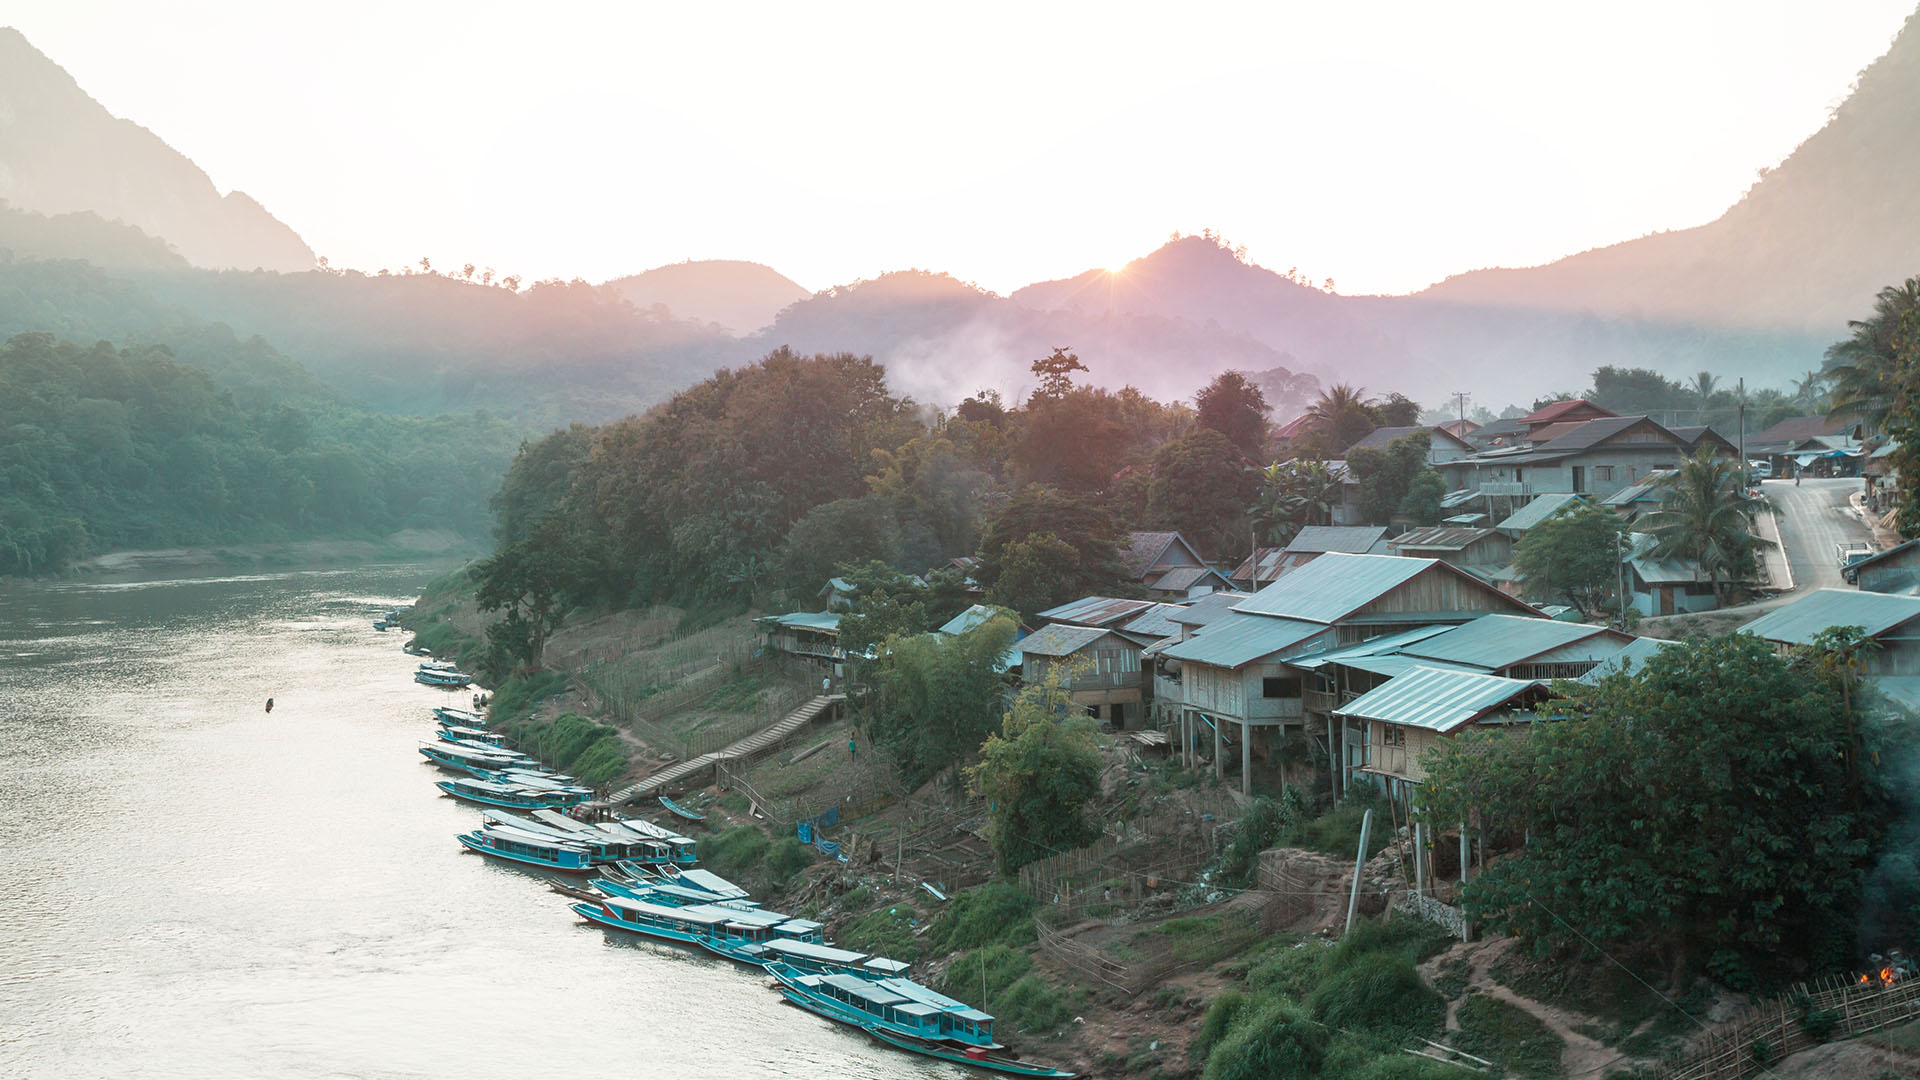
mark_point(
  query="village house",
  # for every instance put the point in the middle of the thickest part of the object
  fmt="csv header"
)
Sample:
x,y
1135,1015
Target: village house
x,y
1780,441
1484,553
1269,565
1447,453
813,636
1412,712
1665,586
1595,458
1107,679
1237,682
1895,570
1535,511
1891,621
1104,612
1186,619
1165,564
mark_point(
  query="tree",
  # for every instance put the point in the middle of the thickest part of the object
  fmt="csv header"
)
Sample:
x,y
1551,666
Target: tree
x,y
1704,386
1573,556
1693,802
1863,370
1093,534
538,481
1293,495
1702,517
1421,504
1399,410
1384,476
1056,374
931,699
888,603
1036,572
533,579
1077,440
1237,409
1201,487
1040,775
1341,417
832,535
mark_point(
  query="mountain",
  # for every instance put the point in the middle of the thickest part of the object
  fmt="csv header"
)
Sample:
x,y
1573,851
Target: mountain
x,y
1803,251
942,339
61,152
740,296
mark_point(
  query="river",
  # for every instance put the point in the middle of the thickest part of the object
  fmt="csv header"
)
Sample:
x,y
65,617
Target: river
x,y
192,887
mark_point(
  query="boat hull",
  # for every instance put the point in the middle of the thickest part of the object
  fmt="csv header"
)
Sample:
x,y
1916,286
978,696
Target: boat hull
x,y
523,860
1009,1066
484,800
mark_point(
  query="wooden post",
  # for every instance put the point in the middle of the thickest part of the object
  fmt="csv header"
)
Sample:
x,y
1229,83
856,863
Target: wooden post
x,y
1336,765
1419,859
1246,760
1219,750
1466,852
1359,861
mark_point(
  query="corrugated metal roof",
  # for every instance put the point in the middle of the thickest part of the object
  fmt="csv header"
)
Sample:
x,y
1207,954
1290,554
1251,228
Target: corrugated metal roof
x,y
1157,621
1798,622
1208,608
1393,665
1537,511
1268,568
1096,611
1632,658
825,621
1438,538
1640,491
1874,558
1496,641
1351,539
1334,585
1238,640
1182,578
1144,549
968,619
1436,699
1060,639
1383,645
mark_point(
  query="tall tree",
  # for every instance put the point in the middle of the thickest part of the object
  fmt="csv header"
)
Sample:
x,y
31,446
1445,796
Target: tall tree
x,y
1040,775
1056,373
1237,409
1399,410
1705,384
1341,417
1095,536
1573,557
1293,495
1702,517
932,699
1863,369
1384,476
1201,487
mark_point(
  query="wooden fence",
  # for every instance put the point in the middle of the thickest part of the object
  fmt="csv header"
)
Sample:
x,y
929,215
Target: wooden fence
x,y
1746,1045
1148,957
649,689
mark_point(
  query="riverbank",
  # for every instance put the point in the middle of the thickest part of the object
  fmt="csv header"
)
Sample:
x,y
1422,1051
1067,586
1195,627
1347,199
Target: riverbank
x,y
407,545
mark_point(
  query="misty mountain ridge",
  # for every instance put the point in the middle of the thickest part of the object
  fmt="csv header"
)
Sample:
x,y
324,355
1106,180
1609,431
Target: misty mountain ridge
x,y
61,152
740,296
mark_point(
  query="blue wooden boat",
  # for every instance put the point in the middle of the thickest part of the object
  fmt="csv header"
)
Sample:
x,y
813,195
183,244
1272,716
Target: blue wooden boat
x,y
452,717
677,810
472,735
978,1058
895,1005
451,680
604,848
667,894
685,851
512,796
818,957
381,624
528,848
473,759
729,932
716,887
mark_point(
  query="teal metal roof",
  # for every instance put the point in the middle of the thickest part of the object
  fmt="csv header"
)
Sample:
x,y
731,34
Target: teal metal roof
x,y
1333,586
1436,699
1096,611
1537,511
968,619
1798,622
1380,646
1060,639
826,621
1632,658
1238,640
1496,641
1156,621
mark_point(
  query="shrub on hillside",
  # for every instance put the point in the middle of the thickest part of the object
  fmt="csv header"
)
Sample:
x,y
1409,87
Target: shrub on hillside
x,y
995,913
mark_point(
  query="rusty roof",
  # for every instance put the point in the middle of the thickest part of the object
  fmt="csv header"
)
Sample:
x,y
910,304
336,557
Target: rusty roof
x,y
1096,611
1439,538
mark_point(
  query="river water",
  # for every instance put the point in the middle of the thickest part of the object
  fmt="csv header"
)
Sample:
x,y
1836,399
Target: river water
x,y
191,887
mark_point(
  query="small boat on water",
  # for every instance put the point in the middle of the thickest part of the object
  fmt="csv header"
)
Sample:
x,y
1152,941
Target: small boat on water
x,y
604,848
684,849
474,758
667,895
472,735
381,624
449,680
511,796
902,1013
706,881
677,810
529,848
724,931
452,717
815,957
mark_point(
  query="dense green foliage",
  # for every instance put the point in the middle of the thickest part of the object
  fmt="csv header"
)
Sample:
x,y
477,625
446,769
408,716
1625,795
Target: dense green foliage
x,y
931,699
884,932
1701,801
1288,822
1519,1042
1001,979
103,447
997,913
1703,517
572,744
745,855
1395,481
1040,774
1573,557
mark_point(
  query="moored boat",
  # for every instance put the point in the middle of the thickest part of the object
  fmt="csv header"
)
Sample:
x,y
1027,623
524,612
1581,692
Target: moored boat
x,y
523,847
450,716
898,1006
729,932
473,758
511,796
451,680
677,810
472,735
978,1058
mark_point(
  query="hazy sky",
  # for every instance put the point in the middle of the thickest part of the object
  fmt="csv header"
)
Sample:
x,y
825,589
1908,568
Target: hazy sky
x,y
1383,144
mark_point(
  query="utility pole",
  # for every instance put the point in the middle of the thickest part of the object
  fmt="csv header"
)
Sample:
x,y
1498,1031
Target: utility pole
x,y
1741,395
1460,398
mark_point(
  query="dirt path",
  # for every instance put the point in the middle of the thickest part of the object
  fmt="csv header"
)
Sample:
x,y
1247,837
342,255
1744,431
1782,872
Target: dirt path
x,y
1584,1057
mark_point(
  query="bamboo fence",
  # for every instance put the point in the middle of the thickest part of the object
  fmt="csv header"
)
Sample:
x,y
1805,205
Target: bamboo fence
x,y
1748,1044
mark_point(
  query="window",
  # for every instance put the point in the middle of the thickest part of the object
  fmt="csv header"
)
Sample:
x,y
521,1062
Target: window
x,y
1391,735
1279,688
1603,472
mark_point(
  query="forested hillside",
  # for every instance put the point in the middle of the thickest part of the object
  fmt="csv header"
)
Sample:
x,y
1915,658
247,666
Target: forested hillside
x,y
104,447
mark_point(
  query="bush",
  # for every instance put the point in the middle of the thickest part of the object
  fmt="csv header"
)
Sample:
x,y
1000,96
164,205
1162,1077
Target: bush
x,y
1290,972
1511,1036
593,752
784,859
513,699
734,852
1031,1005
995,913
888,932
1378,992
1222,1011
1274,1042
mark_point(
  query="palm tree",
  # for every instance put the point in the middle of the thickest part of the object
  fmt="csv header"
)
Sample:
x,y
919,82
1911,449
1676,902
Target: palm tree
x,y
1806,389
1861,369
1704,386
1702,517
1343,416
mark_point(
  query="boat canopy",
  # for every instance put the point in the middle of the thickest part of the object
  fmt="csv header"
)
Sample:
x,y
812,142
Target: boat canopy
x,y
708,881
820,954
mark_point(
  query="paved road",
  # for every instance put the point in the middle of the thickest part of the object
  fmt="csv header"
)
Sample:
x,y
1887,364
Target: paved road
x,y
1814,516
